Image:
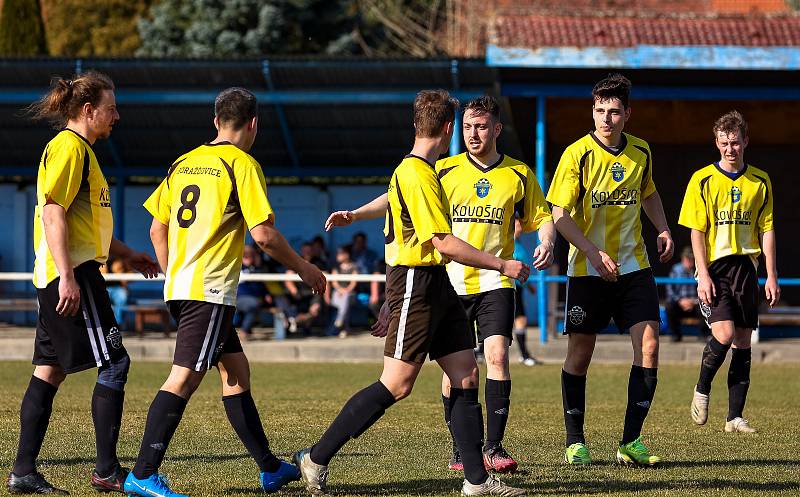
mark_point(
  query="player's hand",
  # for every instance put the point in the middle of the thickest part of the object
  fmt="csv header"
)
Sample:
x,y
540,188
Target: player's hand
x,y
381,327
605,266
144,264
516,269
339,218
313,277
705,290
69,296
772,291
665,246
543,256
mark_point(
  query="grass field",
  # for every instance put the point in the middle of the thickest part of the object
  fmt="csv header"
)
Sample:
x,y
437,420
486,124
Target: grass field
x,y
406,451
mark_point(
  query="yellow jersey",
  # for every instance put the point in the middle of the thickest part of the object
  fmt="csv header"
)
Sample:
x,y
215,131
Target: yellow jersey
x,y
731,209
482,205
603,189
70,176
417,211
208,197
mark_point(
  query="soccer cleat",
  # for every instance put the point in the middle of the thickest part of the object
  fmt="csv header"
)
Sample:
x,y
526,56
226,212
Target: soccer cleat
x,y
272,482
314,475
111,483
155,485
497,459
530,361
492,486
699,407
32,483
577,454
739,424
636,454
456,464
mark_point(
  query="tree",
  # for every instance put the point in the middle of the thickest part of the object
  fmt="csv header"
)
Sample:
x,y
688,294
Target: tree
x,y
21,29
82,28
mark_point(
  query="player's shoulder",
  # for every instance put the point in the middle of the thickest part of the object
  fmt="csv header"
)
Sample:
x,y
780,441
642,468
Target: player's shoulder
x,y
637,142
581,146
515,164
68,141
450,162
758,172
704,172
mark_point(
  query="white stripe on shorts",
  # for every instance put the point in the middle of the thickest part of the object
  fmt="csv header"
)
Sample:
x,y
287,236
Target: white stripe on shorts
x,y
401,327
90,331
98,326
213,325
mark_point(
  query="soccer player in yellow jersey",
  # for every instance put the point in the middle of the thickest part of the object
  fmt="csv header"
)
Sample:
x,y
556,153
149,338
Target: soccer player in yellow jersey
x,y
201,210
602,183
425,316
728,207
485,190
76,329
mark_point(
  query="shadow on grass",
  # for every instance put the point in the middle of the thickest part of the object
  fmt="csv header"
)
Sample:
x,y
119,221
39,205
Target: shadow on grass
x,y
129,461
728,463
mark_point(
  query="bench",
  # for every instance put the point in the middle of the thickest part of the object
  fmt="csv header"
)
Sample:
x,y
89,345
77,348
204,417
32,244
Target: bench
x,y
150,311
18,304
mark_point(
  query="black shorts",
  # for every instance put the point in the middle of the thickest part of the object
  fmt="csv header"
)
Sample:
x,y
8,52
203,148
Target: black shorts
x,y
205,332
426,315
736,284
88,340
519,303
592,302
491,313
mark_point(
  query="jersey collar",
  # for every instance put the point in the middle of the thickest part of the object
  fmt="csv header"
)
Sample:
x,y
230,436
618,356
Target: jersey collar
x,y
623,142
733,176
420,158
487,168
209,144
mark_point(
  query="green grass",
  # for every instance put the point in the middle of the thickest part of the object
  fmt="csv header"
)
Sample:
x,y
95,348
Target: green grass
x,y
406,451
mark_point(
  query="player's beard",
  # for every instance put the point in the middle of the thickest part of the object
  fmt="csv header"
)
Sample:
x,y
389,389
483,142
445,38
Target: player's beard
x,y
481,151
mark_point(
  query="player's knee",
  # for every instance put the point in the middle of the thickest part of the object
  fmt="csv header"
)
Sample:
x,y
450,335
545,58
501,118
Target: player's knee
x,y
650,348
497,360
742,340
114,375
400,390
53,375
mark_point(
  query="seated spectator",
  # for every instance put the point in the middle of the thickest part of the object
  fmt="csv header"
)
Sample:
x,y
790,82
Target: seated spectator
x,y
363,256
305,309
117,290
319,253
682,299
342,293
251,296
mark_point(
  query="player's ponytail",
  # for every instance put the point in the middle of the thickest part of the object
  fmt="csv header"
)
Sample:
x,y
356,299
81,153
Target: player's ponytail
x,y
66,97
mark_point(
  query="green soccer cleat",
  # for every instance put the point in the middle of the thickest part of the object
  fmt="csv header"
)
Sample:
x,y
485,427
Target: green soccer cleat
x,y
577,454
636,454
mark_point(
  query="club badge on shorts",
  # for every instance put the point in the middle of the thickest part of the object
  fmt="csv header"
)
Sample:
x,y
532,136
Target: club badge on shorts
x,y
114,338
576,315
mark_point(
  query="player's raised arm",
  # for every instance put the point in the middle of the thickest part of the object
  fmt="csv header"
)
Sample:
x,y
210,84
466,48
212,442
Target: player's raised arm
x,y
371,210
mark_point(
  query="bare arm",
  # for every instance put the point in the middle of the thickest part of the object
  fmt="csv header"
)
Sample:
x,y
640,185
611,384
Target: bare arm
x,y
273,243
159,235
54,218
543,253
655,212
602,263
372,210
136,260
771,288
464,253
705,287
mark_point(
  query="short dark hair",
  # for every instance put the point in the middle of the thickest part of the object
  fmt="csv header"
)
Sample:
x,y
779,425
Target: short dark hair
x,y
484,105
235,106
613,86
432,110
731,122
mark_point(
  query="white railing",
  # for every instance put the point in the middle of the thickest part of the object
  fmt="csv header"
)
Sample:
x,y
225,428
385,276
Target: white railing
x,y
244,277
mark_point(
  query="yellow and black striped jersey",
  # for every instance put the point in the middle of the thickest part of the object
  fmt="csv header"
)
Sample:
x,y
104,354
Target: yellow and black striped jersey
x,y
603,189
208,197
70,176
731,209
482,205
417,211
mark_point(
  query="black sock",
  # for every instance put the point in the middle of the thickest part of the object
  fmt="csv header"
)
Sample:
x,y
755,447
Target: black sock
x,y
243,416
448,409
519,336
467,422
34,417
713,357
573,395
107,417
498,400
738,381
163,418
641,389
357,415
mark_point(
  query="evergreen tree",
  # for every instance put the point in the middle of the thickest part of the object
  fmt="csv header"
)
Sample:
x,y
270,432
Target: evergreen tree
x,y
21,29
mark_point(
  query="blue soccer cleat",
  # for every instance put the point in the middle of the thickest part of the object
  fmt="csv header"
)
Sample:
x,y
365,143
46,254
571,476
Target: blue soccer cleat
x,y
155,485
272,482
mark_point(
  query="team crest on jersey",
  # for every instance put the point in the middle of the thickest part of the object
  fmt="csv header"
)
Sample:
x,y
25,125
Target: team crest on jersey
x,y
114,338
736,194
576,315
482,187
617,172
